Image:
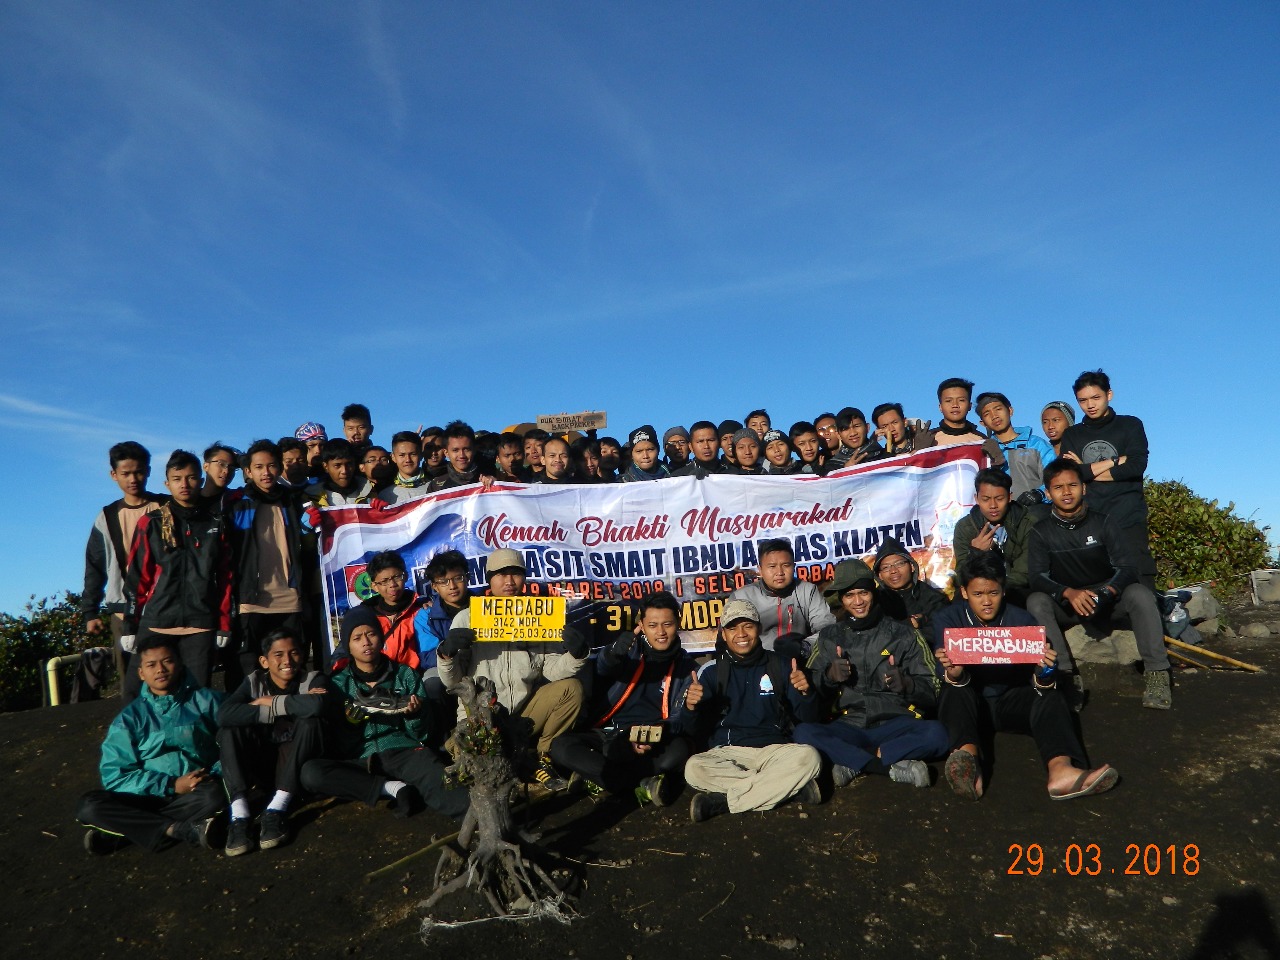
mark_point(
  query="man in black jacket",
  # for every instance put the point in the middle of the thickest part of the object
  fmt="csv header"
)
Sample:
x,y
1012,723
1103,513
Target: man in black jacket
x,y
997,524
1081,568
1020,698
905,596
1112,448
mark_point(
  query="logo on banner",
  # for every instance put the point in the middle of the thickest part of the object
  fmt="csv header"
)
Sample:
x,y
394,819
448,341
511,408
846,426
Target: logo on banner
x,y
359,586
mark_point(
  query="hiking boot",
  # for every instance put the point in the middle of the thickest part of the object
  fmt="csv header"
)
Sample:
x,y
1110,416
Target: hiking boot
x,y
914,772
1159,692
273,829
100,844
580,784
659,790
238,839
545,776
843,776
407,803
810,793
704,806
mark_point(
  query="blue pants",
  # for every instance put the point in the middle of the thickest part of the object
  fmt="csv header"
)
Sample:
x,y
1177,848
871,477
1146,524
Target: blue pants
x,y
902,738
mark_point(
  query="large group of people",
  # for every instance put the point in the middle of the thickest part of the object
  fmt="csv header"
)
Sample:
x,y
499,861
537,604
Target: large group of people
x,y
810,685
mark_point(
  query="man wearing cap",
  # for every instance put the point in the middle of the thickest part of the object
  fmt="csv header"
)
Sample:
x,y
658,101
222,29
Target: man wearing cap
x,y
791,612
314,436
675,444
881,677
754,697
645,464
533,681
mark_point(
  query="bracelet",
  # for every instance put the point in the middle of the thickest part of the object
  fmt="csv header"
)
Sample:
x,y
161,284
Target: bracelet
x,y
957,683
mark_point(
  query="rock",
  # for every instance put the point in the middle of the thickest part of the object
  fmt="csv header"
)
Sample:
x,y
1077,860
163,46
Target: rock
x,y
1255,630
1275,626
1203,605
1208,627
1090,645
1228,630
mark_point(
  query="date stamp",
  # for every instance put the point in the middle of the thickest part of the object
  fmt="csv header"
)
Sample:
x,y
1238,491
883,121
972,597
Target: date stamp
x,y
1074,860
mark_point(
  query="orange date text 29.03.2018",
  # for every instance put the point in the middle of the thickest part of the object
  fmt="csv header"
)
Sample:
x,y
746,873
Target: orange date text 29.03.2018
x,y
1139,860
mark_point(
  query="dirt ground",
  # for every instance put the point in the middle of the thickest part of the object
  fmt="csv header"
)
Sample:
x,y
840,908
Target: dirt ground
x,y
881,870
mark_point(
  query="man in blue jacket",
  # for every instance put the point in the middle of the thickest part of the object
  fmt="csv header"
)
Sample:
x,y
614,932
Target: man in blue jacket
x,y
755,698
159,761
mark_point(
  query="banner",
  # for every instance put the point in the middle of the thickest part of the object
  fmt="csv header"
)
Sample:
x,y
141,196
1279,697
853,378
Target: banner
x,y
604,547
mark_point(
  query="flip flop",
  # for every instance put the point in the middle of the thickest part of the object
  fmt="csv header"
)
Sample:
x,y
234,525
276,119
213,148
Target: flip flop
x,y
962,773
1107,779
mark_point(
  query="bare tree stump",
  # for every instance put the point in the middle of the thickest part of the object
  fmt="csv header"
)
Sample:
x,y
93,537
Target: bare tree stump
x,y
491,848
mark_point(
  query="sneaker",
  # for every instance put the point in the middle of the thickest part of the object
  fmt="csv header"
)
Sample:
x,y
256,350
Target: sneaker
x,y
704,806
1159,692
238,839
810,793
407,803
273,828
843,776
545,776
196,832
375,701
100,844
914,772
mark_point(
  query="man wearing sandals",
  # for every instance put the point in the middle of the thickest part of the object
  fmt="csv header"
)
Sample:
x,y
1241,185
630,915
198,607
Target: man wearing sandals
x,y
1017,698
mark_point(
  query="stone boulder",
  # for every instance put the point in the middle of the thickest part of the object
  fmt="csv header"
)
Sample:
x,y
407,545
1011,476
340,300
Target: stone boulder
x,y
1091,645
1203,605
1255,631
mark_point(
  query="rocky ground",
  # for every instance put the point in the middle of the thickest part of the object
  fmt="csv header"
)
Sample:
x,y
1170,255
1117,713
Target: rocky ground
x,y
1185,861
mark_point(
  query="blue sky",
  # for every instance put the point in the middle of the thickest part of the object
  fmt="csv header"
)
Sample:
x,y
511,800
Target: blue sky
x,y
224,219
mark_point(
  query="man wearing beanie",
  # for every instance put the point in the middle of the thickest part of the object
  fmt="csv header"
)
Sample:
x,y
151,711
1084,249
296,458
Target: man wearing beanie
x,y
1055,418
381,748
755,697
645,464
905,596
726,433
675,444
746,454
536,682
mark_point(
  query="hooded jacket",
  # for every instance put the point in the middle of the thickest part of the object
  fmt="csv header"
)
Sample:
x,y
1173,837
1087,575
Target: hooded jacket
x,y
179,570
155,740
863,700
916,598
1026,456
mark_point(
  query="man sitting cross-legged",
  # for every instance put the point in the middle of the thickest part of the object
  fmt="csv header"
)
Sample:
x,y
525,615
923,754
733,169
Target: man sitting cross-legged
x,y
641,739
979,699
271,725
159,760
380,750
754,697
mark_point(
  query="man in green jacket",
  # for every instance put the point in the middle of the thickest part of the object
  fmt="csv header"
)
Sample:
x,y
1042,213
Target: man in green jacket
x,y
998,524
159,761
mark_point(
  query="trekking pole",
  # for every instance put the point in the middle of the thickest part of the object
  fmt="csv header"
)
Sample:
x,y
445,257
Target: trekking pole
x,y
1251,667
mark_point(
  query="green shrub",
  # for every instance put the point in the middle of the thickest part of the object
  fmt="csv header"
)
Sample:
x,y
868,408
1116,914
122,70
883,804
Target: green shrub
x,y
51,627
1194,540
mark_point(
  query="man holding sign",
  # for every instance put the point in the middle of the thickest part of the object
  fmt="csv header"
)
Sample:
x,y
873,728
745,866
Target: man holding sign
x,y
525,648
996,680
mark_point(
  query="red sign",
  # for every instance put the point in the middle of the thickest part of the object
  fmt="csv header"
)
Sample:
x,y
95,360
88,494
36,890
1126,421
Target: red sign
x,y
978,645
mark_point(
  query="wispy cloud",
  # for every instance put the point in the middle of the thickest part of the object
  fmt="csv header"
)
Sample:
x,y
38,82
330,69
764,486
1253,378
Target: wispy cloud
x,y
377,49
85,428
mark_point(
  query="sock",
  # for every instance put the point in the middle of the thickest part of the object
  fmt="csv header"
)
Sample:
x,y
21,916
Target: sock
x,y
240,809
392,788
280,801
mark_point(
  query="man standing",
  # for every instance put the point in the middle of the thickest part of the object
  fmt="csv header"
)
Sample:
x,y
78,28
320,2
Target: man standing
x,y
1026,455
1113,450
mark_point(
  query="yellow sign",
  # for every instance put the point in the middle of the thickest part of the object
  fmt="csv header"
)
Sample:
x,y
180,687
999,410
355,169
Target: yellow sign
x,y
564,422
524,619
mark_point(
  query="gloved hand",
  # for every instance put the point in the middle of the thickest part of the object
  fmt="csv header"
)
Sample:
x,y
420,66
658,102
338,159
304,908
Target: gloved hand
x,y
129,642
222,640
622,646
575,642
1031,498
378,504
894,680
455,641
839,670
991,447
310,517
